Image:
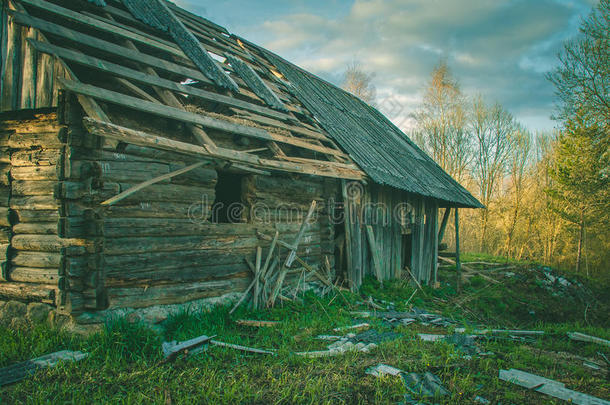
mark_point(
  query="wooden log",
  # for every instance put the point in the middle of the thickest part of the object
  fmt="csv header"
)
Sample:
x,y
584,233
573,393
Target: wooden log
x,y
38,202
36,228
5,195
29,215
34,173
152,261
37,259
33,275
33,188
51,139
27,291
5,217
35,157
185,274
172,293
170,244
47,243
168,192
155,209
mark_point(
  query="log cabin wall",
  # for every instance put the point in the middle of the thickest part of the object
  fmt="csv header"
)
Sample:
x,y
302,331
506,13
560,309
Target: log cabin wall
x,y
163,244
32,146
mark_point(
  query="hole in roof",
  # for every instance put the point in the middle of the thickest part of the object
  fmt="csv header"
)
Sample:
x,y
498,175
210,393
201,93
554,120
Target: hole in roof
x,y
188,81
219,58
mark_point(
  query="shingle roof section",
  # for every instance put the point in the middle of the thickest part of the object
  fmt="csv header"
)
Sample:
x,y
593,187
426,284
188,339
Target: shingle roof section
x,y
382,150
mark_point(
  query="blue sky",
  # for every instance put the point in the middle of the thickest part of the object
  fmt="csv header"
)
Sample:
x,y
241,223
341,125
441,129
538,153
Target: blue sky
x,y
500,49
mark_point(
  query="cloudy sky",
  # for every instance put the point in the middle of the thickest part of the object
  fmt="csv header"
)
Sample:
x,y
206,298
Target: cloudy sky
x,y
498,48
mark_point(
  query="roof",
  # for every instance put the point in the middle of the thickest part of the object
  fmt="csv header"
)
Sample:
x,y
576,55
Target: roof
x,y
161,61
382,150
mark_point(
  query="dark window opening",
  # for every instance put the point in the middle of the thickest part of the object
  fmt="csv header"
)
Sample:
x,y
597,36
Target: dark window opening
x,y
229,207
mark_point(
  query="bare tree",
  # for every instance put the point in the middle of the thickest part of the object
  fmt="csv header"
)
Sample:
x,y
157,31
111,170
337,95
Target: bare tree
x,y
494,130
582,79
442,123
360,83
519,164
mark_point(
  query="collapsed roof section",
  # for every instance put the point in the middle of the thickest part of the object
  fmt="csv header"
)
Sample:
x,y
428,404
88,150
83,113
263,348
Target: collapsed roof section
x,y
235,100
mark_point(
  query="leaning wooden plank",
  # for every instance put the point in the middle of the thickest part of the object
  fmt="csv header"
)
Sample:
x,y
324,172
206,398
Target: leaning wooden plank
x,y
11,56
297,240
587,338
549,387
140,138
18,372
245,294
374,253
158,179
185,116
242,348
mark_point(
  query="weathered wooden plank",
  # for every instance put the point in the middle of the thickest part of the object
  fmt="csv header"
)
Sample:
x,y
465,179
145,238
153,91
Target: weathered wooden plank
x,y
374,253
37,202
29,60
11,66
29,173
18,372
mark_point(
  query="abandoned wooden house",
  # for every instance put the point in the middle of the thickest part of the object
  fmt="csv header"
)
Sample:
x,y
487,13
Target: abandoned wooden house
x,y
149,157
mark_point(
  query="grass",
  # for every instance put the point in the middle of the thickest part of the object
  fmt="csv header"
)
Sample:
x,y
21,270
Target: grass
x,y
125,359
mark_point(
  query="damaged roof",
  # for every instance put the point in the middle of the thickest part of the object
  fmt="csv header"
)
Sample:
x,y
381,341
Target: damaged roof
x,y
157,59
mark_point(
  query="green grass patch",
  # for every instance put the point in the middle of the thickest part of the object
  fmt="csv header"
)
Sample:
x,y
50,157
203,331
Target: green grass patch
x,y
125,359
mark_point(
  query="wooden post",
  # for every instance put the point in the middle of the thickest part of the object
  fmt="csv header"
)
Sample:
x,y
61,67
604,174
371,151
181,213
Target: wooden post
x,y
441,232
348,235
458,263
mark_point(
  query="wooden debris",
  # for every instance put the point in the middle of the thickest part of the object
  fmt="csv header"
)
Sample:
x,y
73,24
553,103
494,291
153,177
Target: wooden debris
x,y
549,387
18,372
297,241
360,326
171,350
257,324
382,370
589,339
242,348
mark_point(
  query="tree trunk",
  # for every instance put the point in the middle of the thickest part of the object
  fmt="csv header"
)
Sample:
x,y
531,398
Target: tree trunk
x,y
580,241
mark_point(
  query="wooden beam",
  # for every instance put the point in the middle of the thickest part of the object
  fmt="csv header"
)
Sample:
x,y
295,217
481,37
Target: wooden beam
x,y
441,232
185,116
135,189
140,138
374,253
297,240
